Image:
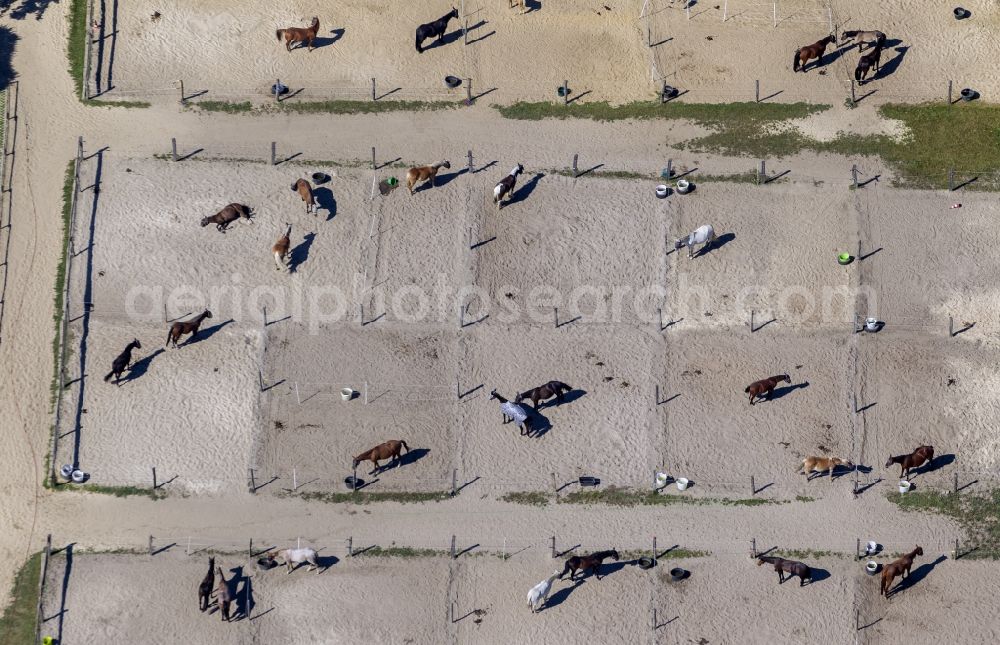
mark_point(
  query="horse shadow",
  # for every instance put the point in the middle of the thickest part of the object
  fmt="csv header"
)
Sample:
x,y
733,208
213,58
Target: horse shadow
x,y
717,243
324,562
569,397
560,596
409,457
891,66
300,253
141,366
326,201
324,41
447,39
522,193
832,57
940,461
205,334
532,5
538,422
243,595
817,575
916,575
607,568
445,179
779,392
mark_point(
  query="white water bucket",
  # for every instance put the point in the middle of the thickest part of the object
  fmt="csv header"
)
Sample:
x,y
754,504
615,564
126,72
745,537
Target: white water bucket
x,y
871,568
79,476
683,186
346,394
682,483
872,547
904,486
66,471
662,191
661,479
871,324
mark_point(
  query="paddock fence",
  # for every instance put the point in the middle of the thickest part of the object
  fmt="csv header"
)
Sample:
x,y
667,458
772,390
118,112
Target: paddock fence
x,y
8,140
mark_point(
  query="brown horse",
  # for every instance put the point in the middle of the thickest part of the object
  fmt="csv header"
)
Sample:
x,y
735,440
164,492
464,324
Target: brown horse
x,y
900,567
424,173
178,329
816,50
586,563
227,216
813,464
791,567
305,191
299,35
915,459
122,361
389,450
547,391
280,248
222,595
765,386
205,588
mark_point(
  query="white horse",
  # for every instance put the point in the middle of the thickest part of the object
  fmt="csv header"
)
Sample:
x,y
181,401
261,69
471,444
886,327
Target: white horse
x,y
297,557
701,235
540,593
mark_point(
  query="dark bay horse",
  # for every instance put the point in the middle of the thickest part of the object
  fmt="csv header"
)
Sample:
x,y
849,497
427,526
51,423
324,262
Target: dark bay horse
x,y
915,459
765,386
547,391
301,35
867,63
227,216
791,567
388,450
586,563
434,29
178,329
816,50
121,363
206,586
900,567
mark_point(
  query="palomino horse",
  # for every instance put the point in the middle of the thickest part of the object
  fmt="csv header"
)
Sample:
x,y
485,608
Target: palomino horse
x,y
540,592
513,412
900,567
179,329
816,50
505,187
434,29
864,38
867,62
701,235
296,557
388,450
424,173
791,567
765,386
812,464
547,391
122,362
305,191
299,35
280,248
586,563
227,216
205,588
915,459
222,596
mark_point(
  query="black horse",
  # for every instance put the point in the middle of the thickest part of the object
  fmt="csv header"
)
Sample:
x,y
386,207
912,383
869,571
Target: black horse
x,y
590,562
122,362
434,29
547,391
867,62
791,567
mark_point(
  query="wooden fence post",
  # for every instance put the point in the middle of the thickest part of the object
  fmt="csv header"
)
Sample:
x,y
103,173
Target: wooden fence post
x,y
949,93
150,545
373,158
554,555
753,486
565,92
274,153
182,91
576,172
468,91
373,89
854,175
454,481
173,148
154,477
753,547
453,547
757,91
470,161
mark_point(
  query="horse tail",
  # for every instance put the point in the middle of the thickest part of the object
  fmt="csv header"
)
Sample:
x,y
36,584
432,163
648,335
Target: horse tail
x,y
170,332
279,33
417,41
857,73
403,443
795,62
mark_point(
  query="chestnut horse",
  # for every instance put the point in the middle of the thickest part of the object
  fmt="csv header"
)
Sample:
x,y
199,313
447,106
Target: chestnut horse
x,y
178,329
205,588
816,50
586,563
813,464
915,459
305,191
547,391
424,173
900,567
121,363
791,567
299,35
280,248
765,386
389,450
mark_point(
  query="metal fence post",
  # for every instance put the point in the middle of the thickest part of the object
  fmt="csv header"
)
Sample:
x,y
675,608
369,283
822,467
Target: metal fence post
x,y
468,91
949,93
173,148
951,179
753,547
150,545
576,159
756,91
373,89
274,153
762,177
565,92
554,554
454,481
854,175
373,158
753,486
453,547
182,91
951,326
470,161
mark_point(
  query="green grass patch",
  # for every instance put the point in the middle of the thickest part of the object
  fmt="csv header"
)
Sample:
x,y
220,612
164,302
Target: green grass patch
x,y
672,554
614,496
116,491
17,625
60,285
76,48
529,498
401,552
804,498
808,554
977,514
324,107
703,113
367,498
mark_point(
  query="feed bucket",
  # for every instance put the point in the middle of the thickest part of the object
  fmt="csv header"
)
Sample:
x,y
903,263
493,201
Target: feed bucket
x,y
346,394
682,483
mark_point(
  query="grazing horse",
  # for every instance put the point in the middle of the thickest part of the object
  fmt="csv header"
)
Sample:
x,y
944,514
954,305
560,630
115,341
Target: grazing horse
x,y
305,191
505,187
388,450
222,596
513,412
297,557
540,592
791,567
816,50
547,391
900,567
178,329
864,38
586,563
227,216
122,362
765,386
425,173
867,62
516,3
915,459
280,248
205,588
434,29
812,464
701,235
299,35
